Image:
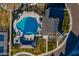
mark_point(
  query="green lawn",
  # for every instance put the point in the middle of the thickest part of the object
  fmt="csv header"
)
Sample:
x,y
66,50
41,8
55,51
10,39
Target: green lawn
x,y
51,44
66,22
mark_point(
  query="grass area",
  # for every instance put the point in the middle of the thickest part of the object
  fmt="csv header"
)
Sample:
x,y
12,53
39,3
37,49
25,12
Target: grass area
x,y
4,18
66,22
51,44
38,50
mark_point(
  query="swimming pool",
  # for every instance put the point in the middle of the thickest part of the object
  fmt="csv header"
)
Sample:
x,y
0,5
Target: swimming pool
x,y
1,37
28,25
1,49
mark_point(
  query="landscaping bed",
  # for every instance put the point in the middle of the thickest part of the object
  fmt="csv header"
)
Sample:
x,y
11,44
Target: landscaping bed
x,y
66,22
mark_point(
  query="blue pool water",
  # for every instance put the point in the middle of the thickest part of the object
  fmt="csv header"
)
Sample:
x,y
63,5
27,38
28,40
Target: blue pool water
x,y
25,41
1,49
1,37
28,25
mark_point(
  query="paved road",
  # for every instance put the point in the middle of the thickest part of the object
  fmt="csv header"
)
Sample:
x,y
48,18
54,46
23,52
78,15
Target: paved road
x,y
74,9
